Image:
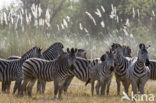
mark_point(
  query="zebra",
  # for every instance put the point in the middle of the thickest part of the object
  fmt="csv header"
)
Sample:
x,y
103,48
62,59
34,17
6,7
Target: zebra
x,y
102,72
121,66
55,70
52,53
81,71
138,71
10,70
6,84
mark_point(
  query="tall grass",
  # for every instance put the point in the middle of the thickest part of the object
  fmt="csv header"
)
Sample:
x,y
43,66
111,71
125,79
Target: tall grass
x,y
17,37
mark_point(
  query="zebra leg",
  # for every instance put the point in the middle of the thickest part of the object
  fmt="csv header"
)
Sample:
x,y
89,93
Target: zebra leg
x,y
15,87
108,86
92,88
118,87
60,92
3,86
124,83
97,88
134,87
67,83
19,87
141,87
56,87
8,87
23,87
103,87
38,91
30,86
43,84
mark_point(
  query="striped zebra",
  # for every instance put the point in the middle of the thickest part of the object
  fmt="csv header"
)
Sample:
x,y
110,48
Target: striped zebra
x,y
121,66
81,71
10,70
102,72
138,71
52,53
6,84
55,70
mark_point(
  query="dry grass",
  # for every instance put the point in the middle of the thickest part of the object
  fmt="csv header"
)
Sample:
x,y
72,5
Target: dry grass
x,y
77,93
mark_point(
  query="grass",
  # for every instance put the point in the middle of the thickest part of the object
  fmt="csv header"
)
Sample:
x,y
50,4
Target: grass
x,y
77,93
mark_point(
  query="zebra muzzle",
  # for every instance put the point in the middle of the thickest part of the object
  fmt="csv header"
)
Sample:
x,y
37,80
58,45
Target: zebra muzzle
x,y
111,68
147,63
72,67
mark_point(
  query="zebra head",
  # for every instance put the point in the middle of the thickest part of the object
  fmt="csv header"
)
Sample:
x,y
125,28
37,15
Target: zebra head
x,y
34,52
58,47
81,53
71,57
108,59
126,51
117,48
143,54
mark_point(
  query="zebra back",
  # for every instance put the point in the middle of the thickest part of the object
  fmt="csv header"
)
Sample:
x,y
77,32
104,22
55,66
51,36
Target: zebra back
x,y
13,57
48,70
82,67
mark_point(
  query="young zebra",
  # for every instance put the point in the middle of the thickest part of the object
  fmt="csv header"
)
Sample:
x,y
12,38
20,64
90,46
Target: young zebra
x,y
103,73
6,84
121,66
138,71
55,70
10,70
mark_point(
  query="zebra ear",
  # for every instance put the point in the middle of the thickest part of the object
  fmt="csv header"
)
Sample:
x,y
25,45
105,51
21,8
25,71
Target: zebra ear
x,y
148,46
103,57
107,52
72,50
141,45
40,49
68,50
76,50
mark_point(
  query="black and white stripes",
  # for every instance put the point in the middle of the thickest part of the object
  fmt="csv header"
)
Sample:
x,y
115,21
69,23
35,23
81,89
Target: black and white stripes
x,y
138,71
121,66
56,70
11,70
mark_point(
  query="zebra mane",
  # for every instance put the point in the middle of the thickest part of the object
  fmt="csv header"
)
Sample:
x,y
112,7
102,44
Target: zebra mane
x,y
25,54
127,47
57,44
80,50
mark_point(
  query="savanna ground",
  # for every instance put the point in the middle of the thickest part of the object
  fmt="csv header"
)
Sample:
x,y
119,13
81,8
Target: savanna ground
x,y
77,93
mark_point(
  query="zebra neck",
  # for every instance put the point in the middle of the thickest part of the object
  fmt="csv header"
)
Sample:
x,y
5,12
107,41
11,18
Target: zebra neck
x,y
119,60
51,54
25,58
106,69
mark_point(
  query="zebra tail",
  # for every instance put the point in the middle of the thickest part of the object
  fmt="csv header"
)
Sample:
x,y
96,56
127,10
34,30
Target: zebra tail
x,y
88,81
